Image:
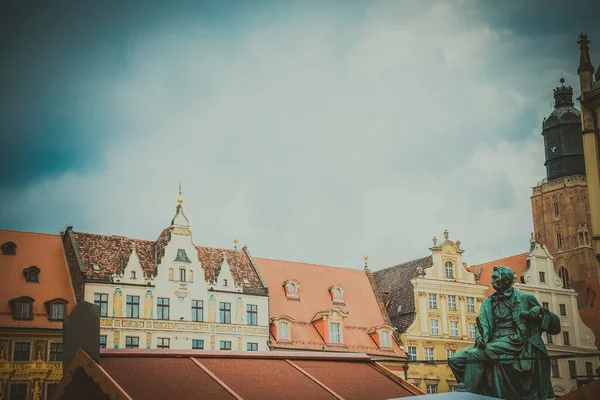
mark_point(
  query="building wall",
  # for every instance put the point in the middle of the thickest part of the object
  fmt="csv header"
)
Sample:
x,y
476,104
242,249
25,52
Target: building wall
x,y
38,374
572,221
541,280
419,335
180,329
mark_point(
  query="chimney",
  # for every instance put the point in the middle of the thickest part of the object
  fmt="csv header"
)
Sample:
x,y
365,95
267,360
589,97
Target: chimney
x,y
81,329
386,297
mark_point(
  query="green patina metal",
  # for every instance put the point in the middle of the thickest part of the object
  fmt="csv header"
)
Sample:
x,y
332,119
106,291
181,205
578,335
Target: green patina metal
x,y
509,359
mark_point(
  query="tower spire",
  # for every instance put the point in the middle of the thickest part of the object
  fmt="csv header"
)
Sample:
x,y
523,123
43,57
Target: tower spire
x,y
179,198
585,69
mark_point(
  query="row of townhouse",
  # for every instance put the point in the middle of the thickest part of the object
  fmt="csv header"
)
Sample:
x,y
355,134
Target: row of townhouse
x,y
172,294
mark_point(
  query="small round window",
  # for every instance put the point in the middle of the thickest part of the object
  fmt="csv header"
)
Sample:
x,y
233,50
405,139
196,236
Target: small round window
x,y
337,293
292,288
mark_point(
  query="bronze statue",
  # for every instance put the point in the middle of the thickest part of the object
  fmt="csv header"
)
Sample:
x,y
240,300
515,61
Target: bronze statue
x,y
509,326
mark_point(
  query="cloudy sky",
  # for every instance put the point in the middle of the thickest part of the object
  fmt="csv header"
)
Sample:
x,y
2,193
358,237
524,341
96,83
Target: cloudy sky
x,y
316,131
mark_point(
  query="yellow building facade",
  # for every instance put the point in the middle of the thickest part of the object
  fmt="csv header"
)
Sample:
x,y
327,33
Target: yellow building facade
x,y
433,303
590,124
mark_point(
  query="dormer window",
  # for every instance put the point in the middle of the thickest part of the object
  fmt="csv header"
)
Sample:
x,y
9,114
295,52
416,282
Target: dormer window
x,y
224,282
281,328
132,274
56,309
382,335
95,267
22,308
283,331
291,288
31,274
542,277
335,332
337,294
449,269
9,249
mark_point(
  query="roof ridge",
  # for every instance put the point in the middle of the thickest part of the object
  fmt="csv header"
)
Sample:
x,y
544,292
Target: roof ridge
x,y
29,232
403,263
307,263
499,259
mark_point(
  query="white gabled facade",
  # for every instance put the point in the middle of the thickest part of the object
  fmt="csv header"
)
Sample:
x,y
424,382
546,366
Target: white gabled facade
x,y
179,308
541,280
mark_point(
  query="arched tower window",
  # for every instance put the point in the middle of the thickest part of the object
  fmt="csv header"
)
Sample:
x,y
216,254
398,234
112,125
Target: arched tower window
x,y
556,210
559,241
564,276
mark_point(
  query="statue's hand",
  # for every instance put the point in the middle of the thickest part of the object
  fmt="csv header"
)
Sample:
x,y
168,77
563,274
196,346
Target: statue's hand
x,y
480,343
535,312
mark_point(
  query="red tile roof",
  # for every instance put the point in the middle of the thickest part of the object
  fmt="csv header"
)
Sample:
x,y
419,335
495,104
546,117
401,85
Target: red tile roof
x,y
45,252
111,253
590,313
518,263
145,374
361,304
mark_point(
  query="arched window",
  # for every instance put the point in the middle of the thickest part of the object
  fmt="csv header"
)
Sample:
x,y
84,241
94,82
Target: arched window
x,y
556,209
558,240
449,269
182,274
9,249
564,276
31,274
22,307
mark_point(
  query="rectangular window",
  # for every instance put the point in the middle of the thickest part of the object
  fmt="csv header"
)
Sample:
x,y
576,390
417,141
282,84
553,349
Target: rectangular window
x,y
563,309
335,333
252,346
432,389
450,353
554,373
163,308
56,352
449,269
164,343
57,311
542,277
434,326
545,305
589,369
453,388
572,368
101,300
432,300
17,391
24,310
102,341
283,331
133,306
472,330
412,353
182,274
470,304
252,314
566,339
225,313
197,310
452,302
548,338
21,352
197,344
385,339
132,342
453,328
428,354
225,345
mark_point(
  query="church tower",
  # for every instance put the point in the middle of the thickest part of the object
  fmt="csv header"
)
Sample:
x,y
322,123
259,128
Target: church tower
x,y
560,207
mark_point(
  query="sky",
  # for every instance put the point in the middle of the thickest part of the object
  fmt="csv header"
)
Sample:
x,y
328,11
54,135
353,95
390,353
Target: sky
x,y
313,131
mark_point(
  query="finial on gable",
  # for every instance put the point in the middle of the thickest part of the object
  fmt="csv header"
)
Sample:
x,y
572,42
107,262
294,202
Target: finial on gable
x,y
235,242
446,234
366,258
179,198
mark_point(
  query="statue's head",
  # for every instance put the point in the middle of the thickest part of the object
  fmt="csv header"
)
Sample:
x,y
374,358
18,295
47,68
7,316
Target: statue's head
x,y
502,278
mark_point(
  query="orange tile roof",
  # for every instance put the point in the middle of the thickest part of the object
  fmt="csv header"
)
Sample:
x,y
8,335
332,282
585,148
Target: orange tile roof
x,y
45,252
518,263
360,299
590,314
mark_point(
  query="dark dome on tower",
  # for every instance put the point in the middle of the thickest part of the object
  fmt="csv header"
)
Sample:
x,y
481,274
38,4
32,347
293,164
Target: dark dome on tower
x,y
562,136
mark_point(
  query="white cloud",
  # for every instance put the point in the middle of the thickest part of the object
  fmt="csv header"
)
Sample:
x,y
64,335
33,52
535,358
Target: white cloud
x,y
311,146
